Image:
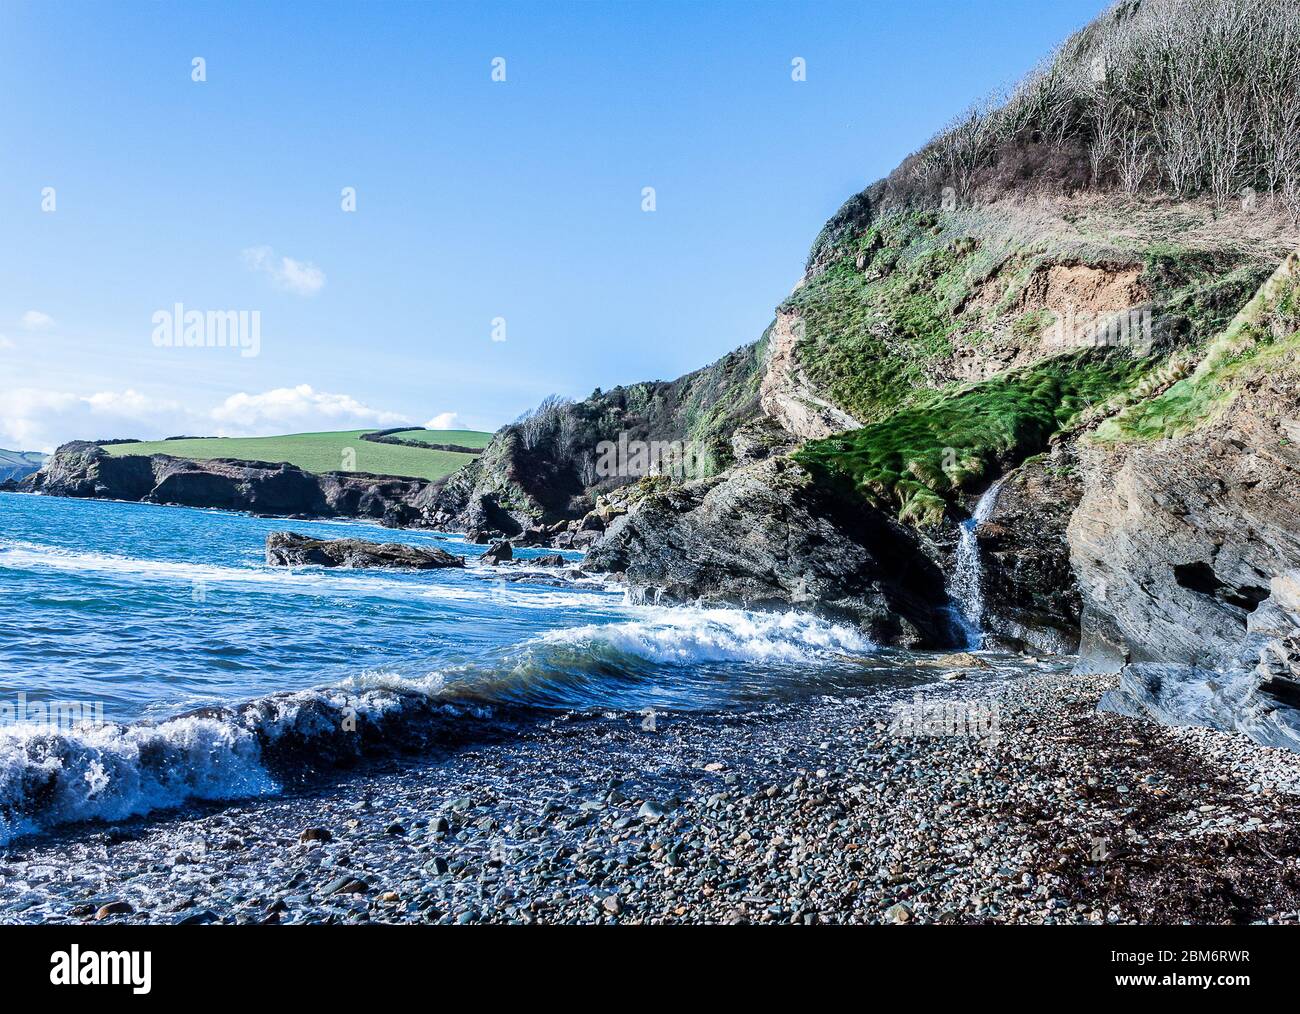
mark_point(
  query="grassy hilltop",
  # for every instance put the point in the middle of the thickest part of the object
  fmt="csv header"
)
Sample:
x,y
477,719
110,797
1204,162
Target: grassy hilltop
x,y
343,451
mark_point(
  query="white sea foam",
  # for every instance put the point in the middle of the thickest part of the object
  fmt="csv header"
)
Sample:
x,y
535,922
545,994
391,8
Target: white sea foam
x,y
687,634
51,776
467,586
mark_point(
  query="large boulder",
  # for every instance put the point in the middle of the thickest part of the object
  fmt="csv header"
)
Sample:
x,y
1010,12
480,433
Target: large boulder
x,y
1176,542
289,549
1031,600
768,536
498,552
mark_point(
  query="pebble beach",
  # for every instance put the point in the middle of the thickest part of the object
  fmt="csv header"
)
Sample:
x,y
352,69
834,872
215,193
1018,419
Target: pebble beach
x,y
821,813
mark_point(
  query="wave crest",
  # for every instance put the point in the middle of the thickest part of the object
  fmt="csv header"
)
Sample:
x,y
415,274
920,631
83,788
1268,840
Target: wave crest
x,y
684,635
110,772
51,776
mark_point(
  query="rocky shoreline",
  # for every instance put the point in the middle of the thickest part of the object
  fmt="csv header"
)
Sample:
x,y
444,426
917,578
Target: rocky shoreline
x,y
821,812
83,469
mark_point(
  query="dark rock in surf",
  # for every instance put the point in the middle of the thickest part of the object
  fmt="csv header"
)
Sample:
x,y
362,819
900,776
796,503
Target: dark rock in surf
x,y
768,536
498,553
289,549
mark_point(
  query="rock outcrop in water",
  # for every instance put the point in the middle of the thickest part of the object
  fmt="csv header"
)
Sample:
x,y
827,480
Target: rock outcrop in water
x,y
83,469
289,549
767,535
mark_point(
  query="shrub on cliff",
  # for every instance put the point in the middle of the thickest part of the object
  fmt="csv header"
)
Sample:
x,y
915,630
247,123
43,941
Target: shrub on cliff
x,y
1183,96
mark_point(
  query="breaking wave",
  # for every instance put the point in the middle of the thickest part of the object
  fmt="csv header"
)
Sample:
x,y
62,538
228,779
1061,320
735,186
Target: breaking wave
x,y
166,622
719,635
51,776
682,659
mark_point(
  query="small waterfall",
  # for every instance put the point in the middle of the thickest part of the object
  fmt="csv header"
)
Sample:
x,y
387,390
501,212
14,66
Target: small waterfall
x,y
966,587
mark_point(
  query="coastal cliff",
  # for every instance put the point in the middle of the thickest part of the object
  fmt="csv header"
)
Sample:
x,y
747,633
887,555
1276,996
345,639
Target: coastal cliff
x,y
83,469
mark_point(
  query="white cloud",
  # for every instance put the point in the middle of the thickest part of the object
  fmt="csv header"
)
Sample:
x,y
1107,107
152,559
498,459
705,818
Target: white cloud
x,y
5,343
25,414
299,277
131,404
34,320
298,407
34,419
444,421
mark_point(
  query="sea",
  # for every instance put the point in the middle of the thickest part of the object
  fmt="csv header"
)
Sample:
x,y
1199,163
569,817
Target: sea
x,y
150,658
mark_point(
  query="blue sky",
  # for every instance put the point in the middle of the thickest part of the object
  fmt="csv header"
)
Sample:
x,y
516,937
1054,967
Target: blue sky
x,y
475,199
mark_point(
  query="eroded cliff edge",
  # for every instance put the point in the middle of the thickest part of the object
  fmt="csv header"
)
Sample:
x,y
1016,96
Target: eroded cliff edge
x,y
1186,542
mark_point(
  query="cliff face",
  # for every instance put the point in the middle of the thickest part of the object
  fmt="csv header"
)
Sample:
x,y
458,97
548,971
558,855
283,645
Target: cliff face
x,y
545,469
768,535
83,469
1120,358
1031,599
1189,510
1186,543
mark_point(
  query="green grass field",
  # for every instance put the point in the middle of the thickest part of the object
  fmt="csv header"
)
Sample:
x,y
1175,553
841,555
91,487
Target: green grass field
x,y
16,464
327,452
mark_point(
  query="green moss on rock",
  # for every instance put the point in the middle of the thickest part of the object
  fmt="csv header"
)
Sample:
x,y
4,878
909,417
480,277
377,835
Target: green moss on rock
x,y
918,459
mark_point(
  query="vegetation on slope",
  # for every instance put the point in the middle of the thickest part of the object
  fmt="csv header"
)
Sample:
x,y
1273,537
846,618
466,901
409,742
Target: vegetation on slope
x,y
870,326
1157,151
324,452
1182,96
1264,337
933,277
921,457
893,311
